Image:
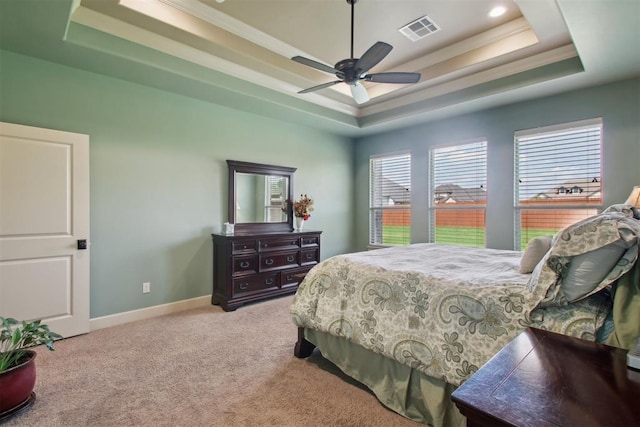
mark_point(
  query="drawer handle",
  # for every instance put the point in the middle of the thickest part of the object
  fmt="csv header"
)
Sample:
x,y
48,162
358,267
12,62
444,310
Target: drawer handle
x,y
269,281
294,243
290,258
244,264
244,286
265,245
289,277
268,261
309,256
244,246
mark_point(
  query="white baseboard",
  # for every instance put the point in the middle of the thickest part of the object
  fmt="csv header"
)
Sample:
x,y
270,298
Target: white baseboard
x,y
148,312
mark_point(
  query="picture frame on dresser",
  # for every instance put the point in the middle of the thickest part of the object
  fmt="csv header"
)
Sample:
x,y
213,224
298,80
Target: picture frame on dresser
x,y
263,257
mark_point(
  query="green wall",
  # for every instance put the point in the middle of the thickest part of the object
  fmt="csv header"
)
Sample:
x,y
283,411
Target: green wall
x,y
617,103
159,175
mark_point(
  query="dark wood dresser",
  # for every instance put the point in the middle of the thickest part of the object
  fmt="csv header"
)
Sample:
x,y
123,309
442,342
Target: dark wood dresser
x,y
255,266
546,379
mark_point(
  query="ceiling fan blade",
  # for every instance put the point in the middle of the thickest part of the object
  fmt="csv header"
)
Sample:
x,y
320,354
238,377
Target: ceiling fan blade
x,y
393,77
322,86
371,57
359,93
315,64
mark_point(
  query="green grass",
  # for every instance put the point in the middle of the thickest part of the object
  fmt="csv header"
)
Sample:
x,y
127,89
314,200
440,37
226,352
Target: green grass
x,y
466,236
396,235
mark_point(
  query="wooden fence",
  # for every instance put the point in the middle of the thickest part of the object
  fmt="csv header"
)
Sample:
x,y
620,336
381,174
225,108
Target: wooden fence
x,y
544,219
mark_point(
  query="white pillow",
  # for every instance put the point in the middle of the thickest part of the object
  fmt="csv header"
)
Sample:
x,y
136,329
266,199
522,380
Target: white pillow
x,y
534,252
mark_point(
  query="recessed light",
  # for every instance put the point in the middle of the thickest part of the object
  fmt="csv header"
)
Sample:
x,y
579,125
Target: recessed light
x,y
497,11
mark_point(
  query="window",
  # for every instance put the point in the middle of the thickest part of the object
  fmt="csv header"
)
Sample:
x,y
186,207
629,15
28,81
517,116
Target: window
x,y
558,178
389,199
275,187
459,194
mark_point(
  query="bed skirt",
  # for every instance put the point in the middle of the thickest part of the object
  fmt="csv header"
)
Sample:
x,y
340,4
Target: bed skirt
x,y
402,389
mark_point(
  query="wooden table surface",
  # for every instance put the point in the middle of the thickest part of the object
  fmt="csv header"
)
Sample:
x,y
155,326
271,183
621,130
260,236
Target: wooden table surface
x,y
543,378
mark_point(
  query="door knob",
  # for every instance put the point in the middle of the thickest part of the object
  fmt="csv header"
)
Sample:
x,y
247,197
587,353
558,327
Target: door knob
x,y
82,244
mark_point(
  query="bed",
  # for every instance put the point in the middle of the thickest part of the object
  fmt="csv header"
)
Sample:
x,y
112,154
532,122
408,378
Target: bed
x,y
414,322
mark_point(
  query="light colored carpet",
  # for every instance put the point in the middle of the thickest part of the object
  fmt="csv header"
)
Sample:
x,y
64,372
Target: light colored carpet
x,y
200,367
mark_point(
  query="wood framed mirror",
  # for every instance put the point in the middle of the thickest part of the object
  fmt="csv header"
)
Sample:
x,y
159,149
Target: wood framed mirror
x,y
259,196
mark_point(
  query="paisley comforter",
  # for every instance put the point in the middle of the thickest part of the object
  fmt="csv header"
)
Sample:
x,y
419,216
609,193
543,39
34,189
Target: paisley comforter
x,y
443,310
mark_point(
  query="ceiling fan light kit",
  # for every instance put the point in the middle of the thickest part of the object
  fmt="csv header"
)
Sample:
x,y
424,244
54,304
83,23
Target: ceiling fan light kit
x,y
352,70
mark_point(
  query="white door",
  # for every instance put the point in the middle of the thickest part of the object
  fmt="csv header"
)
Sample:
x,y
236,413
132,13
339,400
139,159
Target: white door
x,y
44,211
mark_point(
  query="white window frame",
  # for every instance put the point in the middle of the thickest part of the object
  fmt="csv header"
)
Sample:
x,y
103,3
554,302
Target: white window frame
x,y
377,209
587,208
481,176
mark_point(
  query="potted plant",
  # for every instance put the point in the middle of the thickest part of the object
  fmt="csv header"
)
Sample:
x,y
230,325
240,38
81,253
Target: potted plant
x,y
17,364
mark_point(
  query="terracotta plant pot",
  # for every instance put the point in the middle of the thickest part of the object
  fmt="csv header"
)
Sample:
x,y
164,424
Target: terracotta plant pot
x,y
16,384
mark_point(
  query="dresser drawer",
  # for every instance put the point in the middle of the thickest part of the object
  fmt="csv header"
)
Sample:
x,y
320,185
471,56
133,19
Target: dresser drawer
x,y
278,260
309,256
244,246
291,243
293,276
245,264
260,282
311,241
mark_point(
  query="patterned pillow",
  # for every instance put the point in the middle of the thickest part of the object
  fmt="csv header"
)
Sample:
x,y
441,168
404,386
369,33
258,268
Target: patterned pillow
x,y
585,258
627,210
583,319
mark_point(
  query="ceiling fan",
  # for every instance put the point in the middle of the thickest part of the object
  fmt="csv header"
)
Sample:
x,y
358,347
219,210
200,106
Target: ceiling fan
x,y
352,70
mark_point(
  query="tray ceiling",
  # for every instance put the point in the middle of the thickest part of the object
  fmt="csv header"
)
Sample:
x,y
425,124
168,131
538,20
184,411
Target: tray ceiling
x,y
237,52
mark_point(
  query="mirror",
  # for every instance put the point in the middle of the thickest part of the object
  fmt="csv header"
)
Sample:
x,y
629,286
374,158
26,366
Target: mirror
x,y
261,198
258,196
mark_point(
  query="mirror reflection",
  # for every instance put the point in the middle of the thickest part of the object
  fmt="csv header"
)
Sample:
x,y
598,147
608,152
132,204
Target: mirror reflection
x,y
260,198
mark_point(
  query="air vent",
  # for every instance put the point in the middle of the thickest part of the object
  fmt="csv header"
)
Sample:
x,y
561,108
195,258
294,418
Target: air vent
x,y
420,28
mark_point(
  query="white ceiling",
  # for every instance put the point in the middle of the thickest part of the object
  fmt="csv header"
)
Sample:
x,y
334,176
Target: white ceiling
x,y
538,47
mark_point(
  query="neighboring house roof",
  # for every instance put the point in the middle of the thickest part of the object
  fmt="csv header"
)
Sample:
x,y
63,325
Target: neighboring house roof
x,y
394,191
576,188
453,193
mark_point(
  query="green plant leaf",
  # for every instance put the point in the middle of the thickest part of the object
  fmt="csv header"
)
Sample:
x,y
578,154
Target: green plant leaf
x,y
16,336
15,339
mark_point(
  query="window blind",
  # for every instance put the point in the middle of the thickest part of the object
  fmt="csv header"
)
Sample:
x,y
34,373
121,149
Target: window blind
x,y
274,198
389,199
558,178
458,194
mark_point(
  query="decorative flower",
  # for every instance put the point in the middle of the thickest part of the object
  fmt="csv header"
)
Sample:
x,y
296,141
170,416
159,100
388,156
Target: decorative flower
x,y
302,208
